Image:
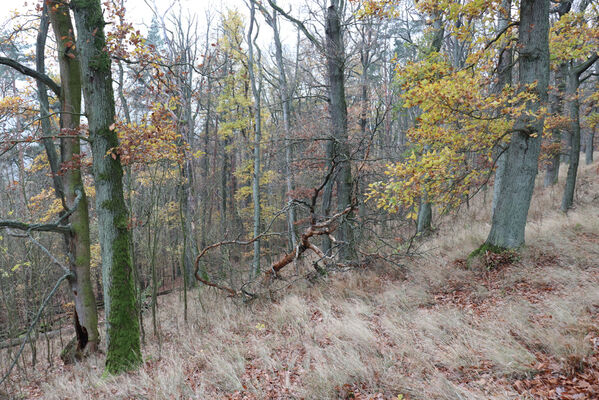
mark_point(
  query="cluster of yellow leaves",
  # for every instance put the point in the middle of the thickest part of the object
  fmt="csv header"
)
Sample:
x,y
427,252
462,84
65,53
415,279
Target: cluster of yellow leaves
x,y
592,101
455,139
9,106
469,13
40,163
147,177
95,256
379,8
451,10
155,139
46,205
444,175
592,120
245,176
169,214
234,103
462,123
575,35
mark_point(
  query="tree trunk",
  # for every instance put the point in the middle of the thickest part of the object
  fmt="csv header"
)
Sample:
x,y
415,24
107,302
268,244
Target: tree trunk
x,y
204,199
327,194
574,133
122,327
518,181
589,149
257,92
504,69
552,168
365,62
137,278
285,97
335,55
574,111
425,211
86,322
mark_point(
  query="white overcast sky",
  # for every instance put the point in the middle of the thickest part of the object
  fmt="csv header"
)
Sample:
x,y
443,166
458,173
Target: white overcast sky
x,y
140,14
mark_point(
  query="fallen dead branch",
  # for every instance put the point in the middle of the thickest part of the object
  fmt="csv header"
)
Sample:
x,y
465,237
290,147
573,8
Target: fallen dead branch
x,y
318,227
326,227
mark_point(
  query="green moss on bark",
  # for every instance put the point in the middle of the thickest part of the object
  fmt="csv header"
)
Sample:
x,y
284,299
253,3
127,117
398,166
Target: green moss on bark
x,y
122,335
124,351
484,248
493,256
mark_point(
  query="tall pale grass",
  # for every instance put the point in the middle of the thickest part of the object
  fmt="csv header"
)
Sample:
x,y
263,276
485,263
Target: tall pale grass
x,y
393,337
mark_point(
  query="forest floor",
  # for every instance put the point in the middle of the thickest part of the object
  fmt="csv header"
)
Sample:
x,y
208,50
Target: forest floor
x,y
500,328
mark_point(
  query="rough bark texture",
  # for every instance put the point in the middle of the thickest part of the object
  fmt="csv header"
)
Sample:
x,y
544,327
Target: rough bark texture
x,y
574,129
517,183
335,55
40,66
256,92
78,242
552,168
590,147
285,97
504,71
574,132
122,327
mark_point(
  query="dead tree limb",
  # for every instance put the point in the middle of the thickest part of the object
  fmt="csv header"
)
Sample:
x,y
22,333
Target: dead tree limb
x,y
319,225
45,79
325,227
34,227
53,227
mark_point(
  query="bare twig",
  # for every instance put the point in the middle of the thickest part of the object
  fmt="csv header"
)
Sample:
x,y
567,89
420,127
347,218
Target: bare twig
x,y
34,323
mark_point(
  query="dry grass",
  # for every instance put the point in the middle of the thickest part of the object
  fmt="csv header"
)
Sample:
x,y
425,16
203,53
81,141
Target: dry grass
x,y
443,332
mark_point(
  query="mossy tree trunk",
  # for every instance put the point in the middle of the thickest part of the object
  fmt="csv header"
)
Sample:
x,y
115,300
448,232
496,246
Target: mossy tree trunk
x,y
78,242
122,327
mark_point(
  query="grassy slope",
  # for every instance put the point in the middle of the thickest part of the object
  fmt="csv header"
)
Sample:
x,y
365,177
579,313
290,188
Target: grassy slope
x,y
435,331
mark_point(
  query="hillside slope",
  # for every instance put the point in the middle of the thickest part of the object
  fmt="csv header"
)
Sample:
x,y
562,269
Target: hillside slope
x,y
440,329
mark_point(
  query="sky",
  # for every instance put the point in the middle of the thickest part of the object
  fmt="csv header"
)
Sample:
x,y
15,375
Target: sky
x,y
140,14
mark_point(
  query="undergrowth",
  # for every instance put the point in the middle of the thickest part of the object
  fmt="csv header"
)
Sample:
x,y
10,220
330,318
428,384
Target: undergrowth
x,y
434,331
